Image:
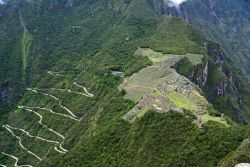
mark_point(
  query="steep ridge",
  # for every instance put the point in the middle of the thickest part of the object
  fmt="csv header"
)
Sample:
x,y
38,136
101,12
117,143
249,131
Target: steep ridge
x,y
56,143
231,93
232,33
239,155
223,84
161,88
73,97
11,86
212,17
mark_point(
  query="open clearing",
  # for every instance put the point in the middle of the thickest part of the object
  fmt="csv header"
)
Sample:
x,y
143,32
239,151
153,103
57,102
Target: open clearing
x,y
161,88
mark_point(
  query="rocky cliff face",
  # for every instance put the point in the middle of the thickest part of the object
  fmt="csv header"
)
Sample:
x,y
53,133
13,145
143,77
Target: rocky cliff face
x,y
69,3
218,76
9,95
161,8
211,17
202,79
219,81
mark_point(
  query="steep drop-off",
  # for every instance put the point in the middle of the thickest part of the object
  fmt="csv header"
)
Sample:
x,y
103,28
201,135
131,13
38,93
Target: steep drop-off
x,y
226,22
72,111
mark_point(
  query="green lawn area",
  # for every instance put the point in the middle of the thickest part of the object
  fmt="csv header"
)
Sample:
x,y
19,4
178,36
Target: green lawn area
x,y
146,81
181,101
206,118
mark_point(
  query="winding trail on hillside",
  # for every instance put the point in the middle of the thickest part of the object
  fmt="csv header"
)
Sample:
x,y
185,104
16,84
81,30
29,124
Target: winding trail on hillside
x,y
87,94
42,139
60,104
62,75
20,142
39,138
41,121
64,150
58,145
16,161
70,91
57,150
84,88
32,90
55,98
36,137
51,130
52,112
53,73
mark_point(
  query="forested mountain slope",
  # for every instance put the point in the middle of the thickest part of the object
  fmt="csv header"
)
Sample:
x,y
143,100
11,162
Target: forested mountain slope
x,y
226,21
74,58
11,84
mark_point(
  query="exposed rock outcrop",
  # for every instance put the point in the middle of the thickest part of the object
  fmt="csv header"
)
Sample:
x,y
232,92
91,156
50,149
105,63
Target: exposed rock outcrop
x,y
202,80
162,8
69,3
219,82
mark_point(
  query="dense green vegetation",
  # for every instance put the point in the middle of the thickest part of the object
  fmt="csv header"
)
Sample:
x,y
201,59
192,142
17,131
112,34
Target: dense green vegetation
x,y
26,43
219,22
239,155
11,63
183,66
224,86
84,43
155,140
